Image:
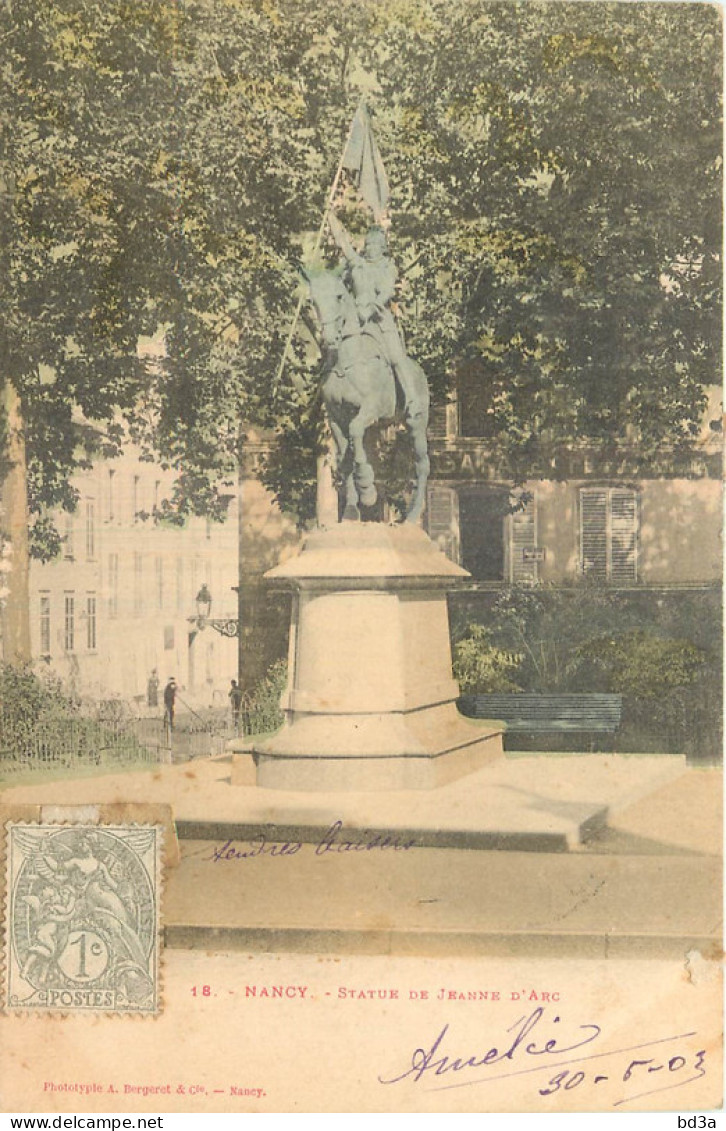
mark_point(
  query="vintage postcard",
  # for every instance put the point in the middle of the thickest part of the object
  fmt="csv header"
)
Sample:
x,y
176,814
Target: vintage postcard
x,y
360,556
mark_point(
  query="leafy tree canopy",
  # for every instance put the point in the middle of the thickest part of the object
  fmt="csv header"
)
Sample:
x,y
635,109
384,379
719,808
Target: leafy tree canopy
x,y
555,216
558,169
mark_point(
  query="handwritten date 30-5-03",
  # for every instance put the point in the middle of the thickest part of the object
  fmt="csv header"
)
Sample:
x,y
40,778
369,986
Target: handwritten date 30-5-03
x,y
561,1057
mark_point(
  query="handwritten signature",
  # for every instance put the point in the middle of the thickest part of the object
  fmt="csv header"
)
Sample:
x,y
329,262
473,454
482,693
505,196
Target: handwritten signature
x,y
334,839
518,1053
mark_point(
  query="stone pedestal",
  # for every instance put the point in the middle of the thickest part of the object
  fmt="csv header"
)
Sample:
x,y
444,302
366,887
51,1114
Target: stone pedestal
x,y
371,702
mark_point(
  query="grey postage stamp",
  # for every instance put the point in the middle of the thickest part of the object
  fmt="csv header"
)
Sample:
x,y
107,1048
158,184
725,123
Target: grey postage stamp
x,y
83,918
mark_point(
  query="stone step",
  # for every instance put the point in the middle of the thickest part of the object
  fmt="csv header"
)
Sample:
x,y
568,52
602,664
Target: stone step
x,y
437,901
535,804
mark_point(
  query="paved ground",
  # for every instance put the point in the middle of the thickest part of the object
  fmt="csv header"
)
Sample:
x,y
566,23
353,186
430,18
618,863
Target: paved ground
x,y
644,883
484,935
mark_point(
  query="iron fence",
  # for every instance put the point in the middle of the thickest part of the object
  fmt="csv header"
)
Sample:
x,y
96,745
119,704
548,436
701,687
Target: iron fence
x,y
66,740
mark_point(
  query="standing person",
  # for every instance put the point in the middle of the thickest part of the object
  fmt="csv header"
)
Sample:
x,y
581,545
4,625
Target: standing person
x,y
235,698
152,689
169,699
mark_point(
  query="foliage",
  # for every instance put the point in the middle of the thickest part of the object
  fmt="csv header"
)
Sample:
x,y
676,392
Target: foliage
x,y
261,711
644,665
557,189
44,728
289,469
160,164
663,653
25,697
547,627
555,216
479,667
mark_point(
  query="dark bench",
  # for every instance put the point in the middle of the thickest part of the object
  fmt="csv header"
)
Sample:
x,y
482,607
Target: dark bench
x,y
526,713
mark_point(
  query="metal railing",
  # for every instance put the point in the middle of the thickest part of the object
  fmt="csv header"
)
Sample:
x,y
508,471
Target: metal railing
x,y
71,740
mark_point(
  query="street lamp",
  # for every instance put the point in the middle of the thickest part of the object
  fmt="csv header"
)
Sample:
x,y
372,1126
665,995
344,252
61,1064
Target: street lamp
x,y
225,626
204,605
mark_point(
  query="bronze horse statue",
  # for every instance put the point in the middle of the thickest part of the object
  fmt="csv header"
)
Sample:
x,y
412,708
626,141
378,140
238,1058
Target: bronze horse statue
x,y
359,387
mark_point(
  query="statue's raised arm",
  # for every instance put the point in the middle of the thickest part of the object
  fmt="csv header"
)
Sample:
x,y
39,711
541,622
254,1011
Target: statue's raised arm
x,y
341,237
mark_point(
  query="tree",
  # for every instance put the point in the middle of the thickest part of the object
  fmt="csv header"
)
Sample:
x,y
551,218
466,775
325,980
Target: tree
x,y
556,219
70,312
160,164
558,169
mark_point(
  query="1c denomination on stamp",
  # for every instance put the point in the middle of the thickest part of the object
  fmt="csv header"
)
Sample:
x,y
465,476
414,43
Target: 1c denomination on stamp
x,y
83,918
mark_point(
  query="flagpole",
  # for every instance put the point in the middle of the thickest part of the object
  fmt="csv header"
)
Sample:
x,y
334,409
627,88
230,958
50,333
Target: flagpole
x,y
299,385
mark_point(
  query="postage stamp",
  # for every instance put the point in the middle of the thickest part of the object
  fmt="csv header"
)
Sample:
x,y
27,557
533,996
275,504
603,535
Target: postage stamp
x,y
83,918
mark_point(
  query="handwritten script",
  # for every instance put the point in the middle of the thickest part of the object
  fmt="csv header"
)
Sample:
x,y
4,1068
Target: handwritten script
x,y
533,1045
335,839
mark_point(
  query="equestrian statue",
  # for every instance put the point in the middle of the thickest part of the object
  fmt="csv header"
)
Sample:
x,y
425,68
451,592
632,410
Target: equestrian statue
x,y
367,374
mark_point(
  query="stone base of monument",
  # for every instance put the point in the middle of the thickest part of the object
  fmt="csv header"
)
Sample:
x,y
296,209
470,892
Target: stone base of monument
x,y
371,702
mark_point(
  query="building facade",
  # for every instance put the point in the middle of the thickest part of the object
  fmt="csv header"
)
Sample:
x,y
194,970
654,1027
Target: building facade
x,y
118,608
603,521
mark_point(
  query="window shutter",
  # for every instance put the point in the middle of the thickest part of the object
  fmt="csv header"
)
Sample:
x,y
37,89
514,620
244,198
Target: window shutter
x,y
609,534
523,536
442,520
623,526
443,420
594,532
437,422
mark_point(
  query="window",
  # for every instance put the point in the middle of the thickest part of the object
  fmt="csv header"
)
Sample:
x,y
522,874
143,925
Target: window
x,y
69,627
194,579
608,534
485,512
113,586
45,624
111,495
90,529
135,499
476,396
138,583
442,520
444,420
168,637
180,585
68,537
522,542
159,570
91,622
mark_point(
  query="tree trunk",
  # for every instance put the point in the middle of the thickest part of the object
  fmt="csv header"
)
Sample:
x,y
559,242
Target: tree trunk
x,y
15,602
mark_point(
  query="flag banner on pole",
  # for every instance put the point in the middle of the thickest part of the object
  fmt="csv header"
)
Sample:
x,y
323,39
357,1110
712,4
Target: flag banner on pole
x,y
362,158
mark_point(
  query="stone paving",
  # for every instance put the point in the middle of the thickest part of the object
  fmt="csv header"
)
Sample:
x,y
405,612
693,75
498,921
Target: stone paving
x,y
598,855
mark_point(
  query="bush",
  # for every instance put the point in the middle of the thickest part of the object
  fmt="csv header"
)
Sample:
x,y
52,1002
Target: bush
x,y
479,667
643,665
41,726
261,712
25,697
661,651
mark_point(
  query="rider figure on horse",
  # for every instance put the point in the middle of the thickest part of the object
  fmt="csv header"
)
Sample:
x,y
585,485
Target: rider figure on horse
x,y
371,278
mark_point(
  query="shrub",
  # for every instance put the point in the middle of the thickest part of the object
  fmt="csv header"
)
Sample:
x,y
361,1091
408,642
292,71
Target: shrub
x,y
261,710
42,726
479,667
660,650
25,697
643,665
